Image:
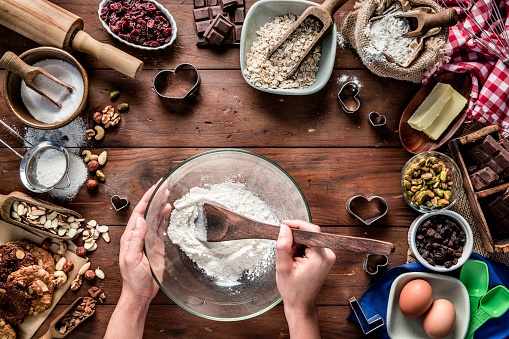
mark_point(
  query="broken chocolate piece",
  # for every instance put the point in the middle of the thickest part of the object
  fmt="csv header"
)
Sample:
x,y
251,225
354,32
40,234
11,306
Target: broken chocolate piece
x,y
239,15
227,4
214,11
505,143
201,26
479,155
201,13
490,146
199,3
218,30
483,178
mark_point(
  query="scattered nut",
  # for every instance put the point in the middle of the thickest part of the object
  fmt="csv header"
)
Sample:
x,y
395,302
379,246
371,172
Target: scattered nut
x,y
98,116
100,175
81,251
102,158
60,264
46,244
20,254
100,132
94,157
92,184
63,248
114,95
76,283
58,282
90,133
94,293
99,273
106,237
123,107
93,166
87,155
84,268
89,275
68,266
60,274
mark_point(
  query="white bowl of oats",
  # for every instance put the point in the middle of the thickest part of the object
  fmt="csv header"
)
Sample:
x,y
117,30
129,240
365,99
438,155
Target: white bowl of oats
x,y
265,22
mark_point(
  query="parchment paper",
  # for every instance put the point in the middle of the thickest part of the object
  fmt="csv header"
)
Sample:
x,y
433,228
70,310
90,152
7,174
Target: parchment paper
x,y
31,324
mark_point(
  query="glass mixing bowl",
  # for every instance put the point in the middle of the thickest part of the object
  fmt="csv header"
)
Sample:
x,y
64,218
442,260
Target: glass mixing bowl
x,y
177,275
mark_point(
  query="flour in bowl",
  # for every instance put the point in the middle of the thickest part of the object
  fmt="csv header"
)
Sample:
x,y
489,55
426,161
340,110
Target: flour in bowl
x,y
225,261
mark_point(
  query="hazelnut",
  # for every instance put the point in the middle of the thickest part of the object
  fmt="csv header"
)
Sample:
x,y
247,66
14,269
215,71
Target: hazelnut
x,y
89,275
93,165
81,251
98,117
68,266
46,244
92,184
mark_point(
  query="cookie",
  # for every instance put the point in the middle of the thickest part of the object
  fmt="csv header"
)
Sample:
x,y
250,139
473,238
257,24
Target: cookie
x,y
6,330
14,304
42,257
37,284
12,258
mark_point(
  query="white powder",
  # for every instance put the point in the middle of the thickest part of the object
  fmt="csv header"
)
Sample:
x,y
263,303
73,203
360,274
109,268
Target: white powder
x,y
50,167
77,176
69,136
224,261
344,78
386,35
41,108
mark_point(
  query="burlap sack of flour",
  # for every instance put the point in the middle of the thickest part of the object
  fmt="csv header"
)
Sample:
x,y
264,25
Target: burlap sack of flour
x,y
431,55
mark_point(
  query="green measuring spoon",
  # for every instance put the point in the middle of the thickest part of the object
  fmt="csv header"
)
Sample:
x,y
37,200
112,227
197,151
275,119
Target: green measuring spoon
x,y
493,305
474,275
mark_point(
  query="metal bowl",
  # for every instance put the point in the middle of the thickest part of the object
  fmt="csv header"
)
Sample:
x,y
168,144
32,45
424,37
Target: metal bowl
x,y
177,275
12,87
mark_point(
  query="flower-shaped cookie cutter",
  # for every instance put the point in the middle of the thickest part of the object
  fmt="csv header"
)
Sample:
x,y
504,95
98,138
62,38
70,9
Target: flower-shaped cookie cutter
x,y
374,262
376,119
160,81
119,203
367,325
357,202
349,90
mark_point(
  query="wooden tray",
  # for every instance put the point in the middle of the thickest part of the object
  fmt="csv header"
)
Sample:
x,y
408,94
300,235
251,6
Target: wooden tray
x,y
6,202
457,146
416,141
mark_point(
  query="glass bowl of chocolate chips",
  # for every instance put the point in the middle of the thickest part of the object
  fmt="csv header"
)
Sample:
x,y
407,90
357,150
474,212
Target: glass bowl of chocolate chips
x,y
442,242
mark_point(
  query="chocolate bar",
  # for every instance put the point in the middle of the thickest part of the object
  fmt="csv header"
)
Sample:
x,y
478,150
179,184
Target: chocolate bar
x,y
218,30
227,4
490,146
501,229
483,178
211,3
504,143
201,13
201,26
199,3
479,155
239,15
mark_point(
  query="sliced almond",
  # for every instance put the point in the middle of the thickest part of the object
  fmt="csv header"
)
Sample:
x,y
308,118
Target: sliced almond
x,y
20,254
72,233
79,220
99,273
47,224
96,235
2,290
106,237
43,286
84,268
71,219
90,240
92,223
86,234
42,220
21,210
93,248
61,231
89,245
40,263
15,215
15,205
52,215
103,228
38,212
54,223
60,263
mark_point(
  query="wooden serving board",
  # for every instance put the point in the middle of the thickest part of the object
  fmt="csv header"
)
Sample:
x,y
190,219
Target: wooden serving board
x,y
416,141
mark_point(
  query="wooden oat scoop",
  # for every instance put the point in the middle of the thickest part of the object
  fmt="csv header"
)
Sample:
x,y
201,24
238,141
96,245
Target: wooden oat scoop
x,y
323,15
215,224
51,25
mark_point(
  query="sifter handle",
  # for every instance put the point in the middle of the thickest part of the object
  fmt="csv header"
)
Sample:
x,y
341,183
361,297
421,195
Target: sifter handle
x,y
111,56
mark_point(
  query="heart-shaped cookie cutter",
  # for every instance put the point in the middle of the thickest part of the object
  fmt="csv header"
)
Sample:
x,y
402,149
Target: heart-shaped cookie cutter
x,y
119,203
367,325
349,89
376,119
374,262
183,66
371,220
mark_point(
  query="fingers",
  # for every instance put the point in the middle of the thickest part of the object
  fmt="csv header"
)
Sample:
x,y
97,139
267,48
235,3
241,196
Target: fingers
x,y
303,225
135,244
139,211
284,257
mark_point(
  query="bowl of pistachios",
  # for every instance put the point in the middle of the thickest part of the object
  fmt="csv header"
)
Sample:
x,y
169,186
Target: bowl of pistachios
x,y
430,182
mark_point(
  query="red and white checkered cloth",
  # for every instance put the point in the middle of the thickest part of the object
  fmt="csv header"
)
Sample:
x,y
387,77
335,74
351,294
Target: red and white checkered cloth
x,y
489,101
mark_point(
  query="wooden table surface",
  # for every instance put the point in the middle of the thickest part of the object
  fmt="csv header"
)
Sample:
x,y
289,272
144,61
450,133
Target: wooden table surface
x,y
330,154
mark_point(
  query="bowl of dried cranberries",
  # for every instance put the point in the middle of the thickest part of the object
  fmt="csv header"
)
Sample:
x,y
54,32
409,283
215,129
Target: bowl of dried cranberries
x,y
143,24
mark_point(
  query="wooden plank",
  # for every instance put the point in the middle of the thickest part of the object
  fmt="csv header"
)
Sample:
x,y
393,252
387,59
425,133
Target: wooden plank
x,y
174,322
347,278
227,112
327,177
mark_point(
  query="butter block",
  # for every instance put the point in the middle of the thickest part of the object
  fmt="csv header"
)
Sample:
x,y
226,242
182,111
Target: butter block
x,y
431,107
452,108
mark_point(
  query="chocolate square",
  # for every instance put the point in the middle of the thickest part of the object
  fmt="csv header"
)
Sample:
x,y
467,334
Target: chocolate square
x,y
495,166
490,146
501,229
505,143
483,178
211,3
479,155
201,13
227,4
201,41
214,37
238,31
214,11
199,3
218,30
239,15
502,159
240,3
201,26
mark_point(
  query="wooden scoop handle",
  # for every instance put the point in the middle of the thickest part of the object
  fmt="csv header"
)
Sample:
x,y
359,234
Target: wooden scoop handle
x,y
331,6
109,55
13,63
445,18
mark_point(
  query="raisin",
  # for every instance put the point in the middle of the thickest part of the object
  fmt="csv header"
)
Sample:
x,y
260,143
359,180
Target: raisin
x,y
448,264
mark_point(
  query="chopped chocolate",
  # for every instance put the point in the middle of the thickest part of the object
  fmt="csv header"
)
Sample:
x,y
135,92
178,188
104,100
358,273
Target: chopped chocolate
x,y
199,3
238,31
218,30
479,155
227,4
502,159
201,13
201,26
214,11
472,169
239,15
200,40
494,166
490,146
483,178
501,229
505,143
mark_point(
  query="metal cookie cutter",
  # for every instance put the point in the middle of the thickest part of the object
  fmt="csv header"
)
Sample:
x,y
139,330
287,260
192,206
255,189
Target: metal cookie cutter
x,y
367,325
161,81
376,119
358,202
349,90
119,203
374,262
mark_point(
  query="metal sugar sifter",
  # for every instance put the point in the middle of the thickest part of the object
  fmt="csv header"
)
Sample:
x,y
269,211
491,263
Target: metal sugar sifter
x,y
28,165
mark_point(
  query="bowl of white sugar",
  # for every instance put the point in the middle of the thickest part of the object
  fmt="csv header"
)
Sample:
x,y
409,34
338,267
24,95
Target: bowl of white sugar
x,y
34,110
223,281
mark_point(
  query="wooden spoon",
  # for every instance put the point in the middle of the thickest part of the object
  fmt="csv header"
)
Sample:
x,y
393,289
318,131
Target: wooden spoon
x,y
53,332
427,21
13,63
215,224
323,15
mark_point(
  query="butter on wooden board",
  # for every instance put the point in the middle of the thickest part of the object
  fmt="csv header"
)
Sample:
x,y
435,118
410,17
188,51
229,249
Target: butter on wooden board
x,y
452,108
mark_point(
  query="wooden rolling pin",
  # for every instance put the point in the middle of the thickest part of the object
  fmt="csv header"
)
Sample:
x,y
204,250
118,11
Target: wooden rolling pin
x,y
51,25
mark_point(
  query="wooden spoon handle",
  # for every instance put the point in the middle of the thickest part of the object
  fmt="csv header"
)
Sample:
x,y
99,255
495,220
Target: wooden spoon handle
x,y
13,63
111,56
331,6
445,18
47,335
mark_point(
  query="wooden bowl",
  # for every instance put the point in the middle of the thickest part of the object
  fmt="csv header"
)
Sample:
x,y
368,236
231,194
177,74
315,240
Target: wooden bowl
x,y
12,87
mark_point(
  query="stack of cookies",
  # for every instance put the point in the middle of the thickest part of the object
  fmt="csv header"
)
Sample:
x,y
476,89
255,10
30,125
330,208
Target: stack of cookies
x,y
218,22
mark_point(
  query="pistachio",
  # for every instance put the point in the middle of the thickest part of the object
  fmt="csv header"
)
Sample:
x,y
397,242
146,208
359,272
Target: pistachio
x,y
100,175
114,94
123,107
426,176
